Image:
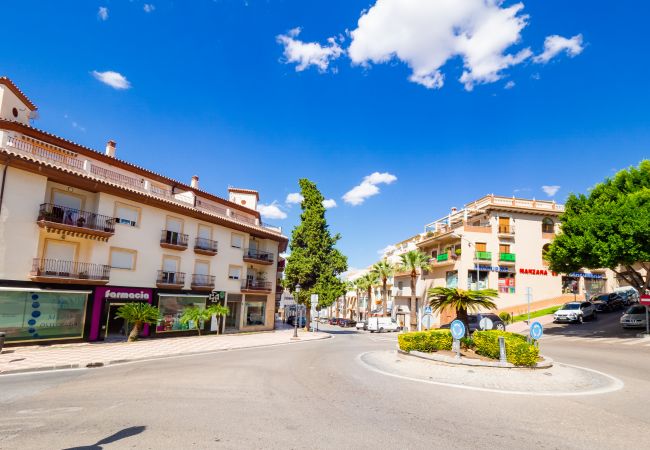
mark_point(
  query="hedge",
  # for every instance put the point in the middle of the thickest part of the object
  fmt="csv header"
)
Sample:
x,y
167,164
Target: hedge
x,y
425,341
518,351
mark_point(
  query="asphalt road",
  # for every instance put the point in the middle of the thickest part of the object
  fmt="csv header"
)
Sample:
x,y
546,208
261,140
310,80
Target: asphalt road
x,y
317,395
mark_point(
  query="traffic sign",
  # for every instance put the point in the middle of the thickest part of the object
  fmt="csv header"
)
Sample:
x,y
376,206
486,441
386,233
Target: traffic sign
x,y
645,300
536,330
457,329
486,323
427,321
427,310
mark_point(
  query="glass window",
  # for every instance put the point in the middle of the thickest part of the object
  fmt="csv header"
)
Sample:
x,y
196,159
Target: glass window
x,y
254,310
547,225
237,240
37,315
452,279
171,310
506,282
123,259
234,272
482,280
126,215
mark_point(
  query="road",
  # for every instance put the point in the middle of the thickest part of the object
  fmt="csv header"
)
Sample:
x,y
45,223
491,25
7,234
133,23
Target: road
x,y
317,395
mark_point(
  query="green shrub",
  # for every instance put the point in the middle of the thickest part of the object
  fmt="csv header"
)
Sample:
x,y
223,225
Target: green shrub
x,y
505,317
518,351
425,341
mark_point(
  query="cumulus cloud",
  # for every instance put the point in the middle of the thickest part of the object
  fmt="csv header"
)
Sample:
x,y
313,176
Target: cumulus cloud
x,y
329,203
368,187
294,198
102,13
550,190
306,54
509,85
271,211
148,7
554,45
114,79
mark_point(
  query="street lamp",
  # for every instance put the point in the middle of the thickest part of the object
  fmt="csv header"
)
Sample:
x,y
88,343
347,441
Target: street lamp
x,y
295,318
471,244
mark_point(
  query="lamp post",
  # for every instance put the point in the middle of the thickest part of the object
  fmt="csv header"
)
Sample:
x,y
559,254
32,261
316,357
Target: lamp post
x,y
295,318
471,244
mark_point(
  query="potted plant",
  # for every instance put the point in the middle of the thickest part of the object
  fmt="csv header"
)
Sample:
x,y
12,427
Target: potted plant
x,y
81,221
458,252
83,275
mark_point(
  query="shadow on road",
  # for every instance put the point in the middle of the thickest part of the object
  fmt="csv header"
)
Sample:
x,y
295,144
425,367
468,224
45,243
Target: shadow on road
x,y
122,434
607,326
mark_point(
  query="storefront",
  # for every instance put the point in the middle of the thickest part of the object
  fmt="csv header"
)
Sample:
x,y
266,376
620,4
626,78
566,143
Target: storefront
x,y
507,282
172,307
33,315
105,325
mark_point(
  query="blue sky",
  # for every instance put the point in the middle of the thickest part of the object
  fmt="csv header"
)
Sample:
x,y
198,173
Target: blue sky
x,y
211,91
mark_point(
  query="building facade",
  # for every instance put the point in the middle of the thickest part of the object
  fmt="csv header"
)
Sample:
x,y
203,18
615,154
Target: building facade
x,y
83,232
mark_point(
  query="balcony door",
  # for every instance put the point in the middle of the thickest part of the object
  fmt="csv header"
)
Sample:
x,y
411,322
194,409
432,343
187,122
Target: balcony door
x,y
174,229
60,251
504,248
252,247
60,198
170,269
504,224
202,272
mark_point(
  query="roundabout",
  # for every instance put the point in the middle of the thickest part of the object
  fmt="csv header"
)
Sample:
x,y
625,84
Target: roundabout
x,y
558,380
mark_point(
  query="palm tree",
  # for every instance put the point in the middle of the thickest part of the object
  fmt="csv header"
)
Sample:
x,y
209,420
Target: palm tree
x,y
373,280
198,315
412,262
358,287
138,313
461,300
384,270
349,286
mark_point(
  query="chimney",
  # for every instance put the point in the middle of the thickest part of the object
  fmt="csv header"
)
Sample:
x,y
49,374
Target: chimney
x,y
454,210
195,182
110,149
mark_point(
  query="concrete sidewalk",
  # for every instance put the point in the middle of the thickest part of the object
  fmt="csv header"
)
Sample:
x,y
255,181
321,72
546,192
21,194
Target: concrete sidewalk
x,y
67,356
522,327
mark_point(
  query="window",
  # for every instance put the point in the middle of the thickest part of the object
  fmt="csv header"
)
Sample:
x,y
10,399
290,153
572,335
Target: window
x,y
204,232
171,310
451,279
254,310
234,272
504,248
545,249
202,268
237,241
504,224
14,111
170,264
67,199
122,258
481,247
60,250
482,280
127,215
548,226
506,282
174,225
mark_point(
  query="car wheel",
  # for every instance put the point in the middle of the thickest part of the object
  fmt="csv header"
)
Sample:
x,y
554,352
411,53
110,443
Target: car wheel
x,y
580,320
501,327
381,330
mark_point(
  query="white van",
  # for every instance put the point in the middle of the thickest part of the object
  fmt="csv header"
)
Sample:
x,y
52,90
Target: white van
x,y
380,324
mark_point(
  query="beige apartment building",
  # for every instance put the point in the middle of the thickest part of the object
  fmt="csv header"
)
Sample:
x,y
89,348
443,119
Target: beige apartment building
x,y
83,232
493,242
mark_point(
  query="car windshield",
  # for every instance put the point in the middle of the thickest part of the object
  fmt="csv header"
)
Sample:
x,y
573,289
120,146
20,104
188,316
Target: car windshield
x,y
637,309
571,306
603,298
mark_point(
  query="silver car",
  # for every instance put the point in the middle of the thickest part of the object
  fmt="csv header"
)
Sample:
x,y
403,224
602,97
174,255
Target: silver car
x,y
634,317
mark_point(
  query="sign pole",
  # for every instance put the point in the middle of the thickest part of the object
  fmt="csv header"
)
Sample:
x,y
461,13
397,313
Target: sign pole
x,y
528,296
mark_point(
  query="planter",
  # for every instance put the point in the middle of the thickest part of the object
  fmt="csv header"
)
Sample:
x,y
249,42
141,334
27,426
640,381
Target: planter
x,y
445,359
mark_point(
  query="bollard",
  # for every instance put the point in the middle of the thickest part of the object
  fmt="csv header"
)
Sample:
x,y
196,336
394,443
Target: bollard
x,y
502,350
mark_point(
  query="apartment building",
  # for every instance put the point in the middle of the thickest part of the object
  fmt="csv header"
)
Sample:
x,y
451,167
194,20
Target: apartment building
x,y
83,232
494,242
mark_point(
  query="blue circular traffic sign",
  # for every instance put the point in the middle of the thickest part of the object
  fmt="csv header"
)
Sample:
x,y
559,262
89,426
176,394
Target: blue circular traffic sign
x,y
457,329
536,330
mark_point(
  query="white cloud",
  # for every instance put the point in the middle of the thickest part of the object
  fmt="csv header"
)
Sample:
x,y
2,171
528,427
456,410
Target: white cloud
x,y
509,85
294,198
329,203
102,13
368,187
114,79
553,45
271,211
148,7
306,54
550,190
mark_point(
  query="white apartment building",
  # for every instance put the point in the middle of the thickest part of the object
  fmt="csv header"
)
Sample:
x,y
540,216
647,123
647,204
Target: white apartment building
x,y
494,242
83,232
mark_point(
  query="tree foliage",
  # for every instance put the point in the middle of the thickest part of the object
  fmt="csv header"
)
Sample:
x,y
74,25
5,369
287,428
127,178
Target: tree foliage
x,y
315,263
411,262
138,313
609,228
198,316
384,270
461,300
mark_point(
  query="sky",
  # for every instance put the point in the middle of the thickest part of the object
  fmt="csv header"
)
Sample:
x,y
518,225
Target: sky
x,y
397,109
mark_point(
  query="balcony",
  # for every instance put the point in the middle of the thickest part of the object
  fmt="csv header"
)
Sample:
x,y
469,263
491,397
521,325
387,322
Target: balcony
x,y
69,272
281,265
203,246
70,221
506,230
173,240
483,256
507,258
202,282
255,256
444,259
170,280
255,286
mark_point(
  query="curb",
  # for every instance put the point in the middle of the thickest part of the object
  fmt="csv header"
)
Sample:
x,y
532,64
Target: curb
x,y
98,364
546,364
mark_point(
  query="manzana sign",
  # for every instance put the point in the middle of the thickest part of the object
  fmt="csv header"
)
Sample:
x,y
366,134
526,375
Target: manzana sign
x,y
536,272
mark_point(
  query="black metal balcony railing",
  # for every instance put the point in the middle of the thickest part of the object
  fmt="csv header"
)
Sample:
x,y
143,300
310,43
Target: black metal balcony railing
x,y
202,280
255,285
73,217
252,253
205,244
174,238
70,269
165,277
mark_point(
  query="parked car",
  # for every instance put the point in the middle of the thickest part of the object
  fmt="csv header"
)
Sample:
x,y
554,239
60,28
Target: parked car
x,y
608,302
380,324
474,321
324,320
628,293
345,323
334,321
362,325
634,317
291,320
576,312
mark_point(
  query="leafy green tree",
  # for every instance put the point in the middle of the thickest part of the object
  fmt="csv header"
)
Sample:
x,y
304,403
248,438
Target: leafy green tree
x,y
138,313
441,298
199,316
411,262
384,270
609,228
314,263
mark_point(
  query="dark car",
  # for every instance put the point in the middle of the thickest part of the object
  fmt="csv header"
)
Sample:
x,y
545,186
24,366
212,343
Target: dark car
x,y
334,321
474,321
291,320
347,323
608,302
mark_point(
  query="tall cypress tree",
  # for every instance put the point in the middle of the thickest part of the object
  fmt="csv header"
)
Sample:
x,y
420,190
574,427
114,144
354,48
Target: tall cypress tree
x,y
314,263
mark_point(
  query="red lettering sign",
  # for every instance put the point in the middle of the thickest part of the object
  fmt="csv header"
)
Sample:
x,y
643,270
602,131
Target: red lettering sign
x,y
535,272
